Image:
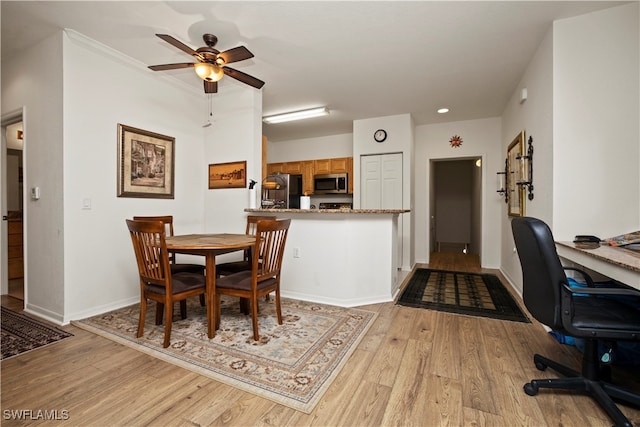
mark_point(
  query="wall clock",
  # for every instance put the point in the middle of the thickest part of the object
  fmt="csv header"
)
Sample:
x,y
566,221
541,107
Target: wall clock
x,y
380,135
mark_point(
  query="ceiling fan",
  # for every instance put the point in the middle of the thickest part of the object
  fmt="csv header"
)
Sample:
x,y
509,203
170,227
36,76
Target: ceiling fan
x,y
211,65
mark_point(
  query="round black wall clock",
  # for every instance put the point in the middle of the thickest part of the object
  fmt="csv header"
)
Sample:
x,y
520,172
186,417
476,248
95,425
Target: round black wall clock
x,y
380,135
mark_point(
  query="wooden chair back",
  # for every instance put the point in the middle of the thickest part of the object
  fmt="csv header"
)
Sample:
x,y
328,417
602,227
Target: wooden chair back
x,y
167,220
271,236
148,238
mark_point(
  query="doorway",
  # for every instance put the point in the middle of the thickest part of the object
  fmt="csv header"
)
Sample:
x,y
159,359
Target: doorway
x,y
12,183
456,206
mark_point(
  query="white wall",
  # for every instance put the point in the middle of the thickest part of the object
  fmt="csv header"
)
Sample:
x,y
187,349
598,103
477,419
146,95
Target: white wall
x,y
325,147
99,265
234,136
584,115
481,138
82,263
23,86
596,128
535,117
400,139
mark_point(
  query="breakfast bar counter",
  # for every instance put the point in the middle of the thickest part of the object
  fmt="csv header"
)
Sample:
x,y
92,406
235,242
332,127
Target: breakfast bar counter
x,y
344,257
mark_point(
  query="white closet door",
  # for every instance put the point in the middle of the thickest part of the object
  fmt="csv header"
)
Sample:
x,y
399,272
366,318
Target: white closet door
x,y
381,181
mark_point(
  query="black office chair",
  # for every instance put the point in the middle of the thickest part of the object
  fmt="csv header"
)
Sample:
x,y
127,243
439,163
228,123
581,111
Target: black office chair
x,y
591,315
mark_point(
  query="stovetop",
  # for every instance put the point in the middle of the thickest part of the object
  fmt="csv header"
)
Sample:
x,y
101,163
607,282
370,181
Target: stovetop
x,y
338,205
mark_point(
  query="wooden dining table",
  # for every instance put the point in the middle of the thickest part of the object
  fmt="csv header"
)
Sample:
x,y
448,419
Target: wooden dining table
x,y
209,246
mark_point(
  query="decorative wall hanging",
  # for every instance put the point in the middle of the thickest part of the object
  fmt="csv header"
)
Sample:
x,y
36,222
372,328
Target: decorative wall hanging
x,y
515,192
526,168
145,163
455,141
228,175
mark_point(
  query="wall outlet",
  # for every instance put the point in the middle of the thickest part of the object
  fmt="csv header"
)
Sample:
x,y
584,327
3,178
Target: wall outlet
x,y
296,252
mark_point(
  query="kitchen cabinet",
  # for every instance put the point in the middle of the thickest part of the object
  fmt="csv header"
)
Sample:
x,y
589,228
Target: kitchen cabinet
x,y
321,166
309,168
294,168
273,168
307,177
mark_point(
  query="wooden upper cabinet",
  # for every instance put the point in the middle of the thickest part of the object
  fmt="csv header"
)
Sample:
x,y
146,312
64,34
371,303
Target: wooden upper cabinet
x,y
340,165
309,168
321,166
273,168
307,177
294,168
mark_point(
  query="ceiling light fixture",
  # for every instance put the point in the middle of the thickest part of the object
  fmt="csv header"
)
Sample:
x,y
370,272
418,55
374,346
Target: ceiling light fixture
x,y
208,72
443,110
296,115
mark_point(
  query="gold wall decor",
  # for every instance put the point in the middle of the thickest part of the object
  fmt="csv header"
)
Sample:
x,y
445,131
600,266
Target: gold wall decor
x,y
515,192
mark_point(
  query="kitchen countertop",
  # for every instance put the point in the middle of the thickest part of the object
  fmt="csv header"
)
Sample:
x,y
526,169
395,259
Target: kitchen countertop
x,y
331,211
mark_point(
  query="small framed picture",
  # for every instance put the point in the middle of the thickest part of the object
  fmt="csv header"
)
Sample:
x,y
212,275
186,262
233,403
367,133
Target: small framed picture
x,y
145,164
228,175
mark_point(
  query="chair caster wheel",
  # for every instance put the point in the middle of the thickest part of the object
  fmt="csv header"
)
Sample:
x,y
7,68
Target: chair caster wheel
x,y
530,389
540,366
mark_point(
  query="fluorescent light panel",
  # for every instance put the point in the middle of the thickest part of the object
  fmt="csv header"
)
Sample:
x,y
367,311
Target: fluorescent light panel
x,y
296,115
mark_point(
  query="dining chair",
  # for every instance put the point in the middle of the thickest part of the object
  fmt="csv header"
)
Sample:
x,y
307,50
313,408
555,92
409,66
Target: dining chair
x,y
167,220
264,276
157,282
226,268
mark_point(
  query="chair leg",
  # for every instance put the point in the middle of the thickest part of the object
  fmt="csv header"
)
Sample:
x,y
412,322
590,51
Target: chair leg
x,y
168,308
183,309
254,317
159,313
202,303
244,305
278,310
143,314
216,325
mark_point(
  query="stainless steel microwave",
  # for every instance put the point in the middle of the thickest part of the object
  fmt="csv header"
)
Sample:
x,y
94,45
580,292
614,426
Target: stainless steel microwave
x,y
335,183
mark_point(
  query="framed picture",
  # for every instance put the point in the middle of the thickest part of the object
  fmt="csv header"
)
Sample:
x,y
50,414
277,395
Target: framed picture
x,y
515,192
228,175
145,163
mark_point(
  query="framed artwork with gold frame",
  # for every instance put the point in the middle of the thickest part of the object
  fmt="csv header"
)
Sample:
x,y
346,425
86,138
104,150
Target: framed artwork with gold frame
x,y
515,192
145,163
228,175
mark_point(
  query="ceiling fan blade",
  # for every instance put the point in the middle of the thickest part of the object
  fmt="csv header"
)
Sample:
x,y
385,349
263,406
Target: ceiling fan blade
x,y
243,77
164,67
236,54
210,87
177,43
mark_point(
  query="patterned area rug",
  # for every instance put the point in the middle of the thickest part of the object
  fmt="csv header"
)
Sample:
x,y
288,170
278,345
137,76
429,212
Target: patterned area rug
x,y
293,364
462,293
21,333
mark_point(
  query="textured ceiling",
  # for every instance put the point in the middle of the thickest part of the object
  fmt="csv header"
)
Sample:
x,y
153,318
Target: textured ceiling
x,y
360,59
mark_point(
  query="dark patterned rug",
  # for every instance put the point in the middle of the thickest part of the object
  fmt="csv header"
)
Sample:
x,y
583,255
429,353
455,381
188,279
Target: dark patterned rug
x,y
22,333
462,293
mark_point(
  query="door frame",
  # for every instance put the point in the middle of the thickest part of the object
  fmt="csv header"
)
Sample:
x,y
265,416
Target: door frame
x,y
12,117
477,212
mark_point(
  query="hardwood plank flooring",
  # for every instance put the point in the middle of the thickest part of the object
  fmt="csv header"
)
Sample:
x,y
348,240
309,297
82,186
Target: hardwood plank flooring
x,y
413,368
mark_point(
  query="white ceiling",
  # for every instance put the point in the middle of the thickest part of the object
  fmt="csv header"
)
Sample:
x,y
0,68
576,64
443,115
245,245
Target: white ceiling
x,y
360,59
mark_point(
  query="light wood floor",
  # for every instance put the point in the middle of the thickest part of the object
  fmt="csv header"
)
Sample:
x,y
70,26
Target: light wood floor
x,y
414,368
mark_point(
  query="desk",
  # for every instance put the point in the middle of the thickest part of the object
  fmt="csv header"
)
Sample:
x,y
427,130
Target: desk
x,y
209,245
617,263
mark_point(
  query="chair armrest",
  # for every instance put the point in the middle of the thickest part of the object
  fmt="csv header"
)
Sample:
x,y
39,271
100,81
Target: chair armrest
x,y
602,291
582,273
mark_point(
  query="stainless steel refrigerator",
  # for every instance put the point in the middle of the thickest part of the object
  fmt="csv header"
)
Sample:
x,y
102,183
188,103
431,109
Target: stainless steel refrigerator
x,y
281,191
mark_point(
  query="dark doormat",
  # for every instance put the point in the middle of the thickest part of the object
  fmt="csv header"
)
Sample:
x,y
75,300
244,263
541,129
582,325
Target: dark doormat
x,y
462,293
22,333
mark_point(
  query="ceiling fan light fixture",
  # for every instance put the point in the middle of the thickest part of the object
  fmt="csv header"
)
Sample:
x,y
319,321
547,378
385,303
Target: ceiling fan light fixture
x,y
296,115
208,72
